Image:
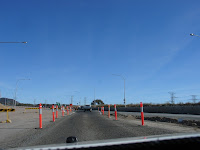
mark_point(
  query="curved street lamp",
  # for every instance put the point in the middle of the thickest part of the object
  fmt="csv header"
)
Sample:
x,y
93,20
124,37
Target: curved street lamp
x,y
124,87
18,79
15,42
192,34
16,89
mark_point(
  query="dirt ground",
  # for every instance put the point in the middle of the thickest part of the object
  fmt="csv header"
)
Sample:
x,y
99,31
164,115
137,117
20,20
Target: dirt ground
x,y
23,121
164,125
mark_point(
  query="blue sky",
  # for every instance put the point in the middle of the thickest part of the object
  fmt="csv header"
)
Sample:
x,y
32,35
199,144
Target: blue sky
x,y
75,46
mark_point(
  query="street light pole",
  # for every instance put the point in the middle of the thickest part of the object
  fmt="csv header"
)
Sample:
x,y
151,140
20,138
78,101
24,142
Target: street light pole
x,y
15,42
19,79
94,98
124,94
192,34
16,89
124,88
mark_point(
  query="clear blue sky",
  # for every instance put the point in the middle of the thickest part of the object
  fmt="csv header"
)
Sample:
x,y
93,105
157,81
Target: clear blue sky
x,y
75,46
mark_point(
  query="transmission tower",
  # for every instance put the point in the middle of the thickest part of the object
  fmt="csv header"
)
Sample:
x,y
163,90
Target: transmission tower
x,y
172,97
194,98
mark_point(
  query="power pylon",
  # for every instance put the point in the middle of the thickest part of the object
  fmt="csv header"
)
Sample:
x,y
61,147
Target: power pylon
x,y
172,97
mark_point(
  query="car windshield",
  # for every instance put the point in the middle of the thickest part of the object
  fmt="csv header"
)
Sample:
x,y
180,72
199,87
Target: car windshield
x,y
98,70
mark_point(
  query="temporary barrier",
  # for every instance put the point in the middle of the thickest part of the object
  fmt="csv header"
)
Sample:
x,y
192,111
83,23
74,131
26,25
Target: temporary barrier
x,y
108,111
6,109
30,108
56,111
142,113
102,110
115,112
40,116
53,113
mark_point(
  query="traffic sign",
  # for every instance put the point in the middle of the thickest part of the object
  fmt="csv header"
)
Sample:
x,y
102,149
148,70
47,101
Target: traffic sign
x,y
57,103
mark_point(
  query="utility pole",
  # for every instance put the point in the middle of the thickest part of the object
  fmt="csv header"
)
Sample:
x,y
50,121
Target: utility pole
x,y
94,98
172,97
15,99
94,93
45,103
72,99
85,101
194,98
124,87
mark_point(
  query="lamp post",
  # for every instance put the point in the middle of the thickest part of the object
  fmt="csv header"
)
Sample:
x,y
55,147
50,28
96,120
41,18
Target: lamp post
x,y
16,89
18,79
124,87
192,34
15,42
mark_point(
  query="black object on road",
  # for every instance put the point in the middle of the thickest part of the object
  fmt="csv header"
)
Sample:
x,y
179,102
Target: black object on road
x,y
71,139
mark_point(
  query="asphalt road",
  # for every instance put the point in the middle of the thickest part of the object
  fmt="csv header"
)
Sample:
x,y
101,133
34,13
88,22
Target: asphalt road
x,y
86,126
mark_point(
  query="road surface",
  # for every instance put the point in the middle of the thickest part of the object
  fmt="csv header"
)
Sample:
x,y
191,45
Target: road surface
x,y
88,126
